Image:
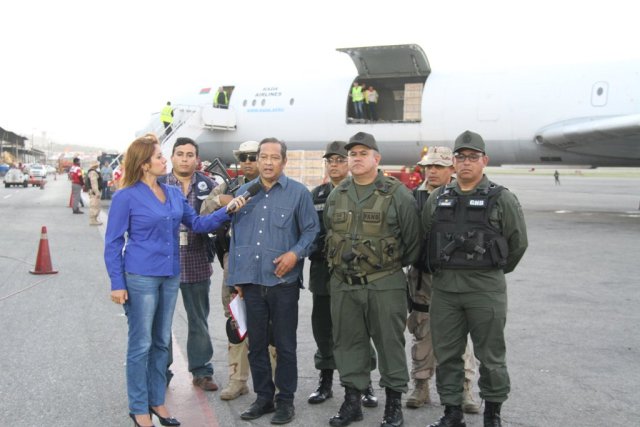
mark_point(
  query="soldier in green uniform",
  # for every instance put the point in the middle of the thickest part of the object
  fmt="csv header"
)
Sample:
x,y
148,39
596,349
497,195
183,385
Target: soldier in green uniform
x,y
372,226
438,171
337,169
475,234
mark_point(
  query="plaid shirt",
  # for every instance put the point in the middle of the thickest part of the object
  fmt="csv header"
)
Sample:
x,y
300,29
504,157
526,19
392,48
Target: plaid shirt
x,y
194,263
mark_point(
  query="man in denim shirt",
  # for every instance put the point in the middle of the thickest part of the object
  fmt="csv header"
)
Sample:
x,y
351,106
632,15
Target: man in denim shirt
x,y
271,235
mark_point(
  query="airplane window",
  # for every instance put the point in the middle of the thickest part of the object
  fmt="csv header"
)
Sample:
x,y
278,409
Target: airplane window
x,y
263,102
244,103
291,101
253,103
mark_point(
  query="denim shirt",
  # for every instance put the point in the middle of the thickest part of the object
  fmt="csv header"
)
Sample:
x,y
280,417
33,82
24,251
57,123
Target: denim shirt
x,y
151,247
270,224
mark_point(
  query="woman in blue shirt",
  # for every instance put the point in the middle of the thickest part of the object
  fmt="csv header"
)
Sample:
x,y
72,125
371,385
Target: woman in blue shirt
x,y
144,269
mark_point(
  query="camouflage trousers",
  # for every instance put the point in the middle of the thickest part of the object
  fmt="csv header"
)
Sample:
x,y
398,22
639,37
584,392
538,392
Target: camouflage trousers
x,y
423,360
94,208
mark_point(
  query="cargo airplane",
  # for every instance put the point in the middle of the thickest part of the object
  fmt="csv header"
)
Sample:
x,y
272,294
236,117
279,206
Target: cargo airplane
x,y
555,115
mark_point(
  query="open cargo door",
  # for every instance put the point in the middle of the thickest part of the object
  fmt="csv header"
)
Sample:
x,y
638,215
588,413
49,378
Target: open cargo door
x,y
398,74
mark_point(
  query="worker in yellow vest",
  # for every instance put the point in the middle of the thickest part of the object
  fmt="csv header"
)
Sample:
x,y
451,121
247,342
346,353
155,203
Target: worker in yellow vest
x,y
166,117
220,98
357,98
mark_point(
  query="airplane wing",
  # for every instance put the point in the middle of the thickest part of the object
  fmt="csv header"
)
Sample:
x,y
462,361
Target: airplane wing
x,y
611,136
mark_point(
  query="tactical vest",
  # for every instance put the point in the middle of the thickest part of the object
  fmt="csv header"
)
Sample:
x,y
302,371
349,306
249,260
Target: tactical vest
x,y
320,195
462,236
360,243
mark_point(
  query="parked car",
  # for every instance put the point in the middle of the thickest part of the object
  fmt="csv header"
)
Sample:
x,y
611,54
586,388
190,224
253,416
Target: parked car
x,y
4,168
16,177
50,169
37,174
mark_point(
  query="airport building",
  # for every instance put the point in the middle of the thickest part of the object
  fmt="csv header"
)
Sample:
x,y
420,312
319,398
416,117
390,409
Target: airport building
x,y
13,149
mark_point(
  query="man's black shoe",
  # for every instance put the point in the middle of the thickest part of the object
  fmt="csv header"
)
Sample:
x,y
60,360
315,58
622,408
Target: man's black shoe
x,y
258,409
452,418
392,409
351,409
323,392
369,400
492,414
284,412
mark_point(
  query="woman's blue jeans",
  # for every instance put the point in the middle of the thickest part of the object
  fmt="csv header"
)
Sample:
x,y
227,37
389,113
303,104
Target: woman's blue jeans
x,y
149,311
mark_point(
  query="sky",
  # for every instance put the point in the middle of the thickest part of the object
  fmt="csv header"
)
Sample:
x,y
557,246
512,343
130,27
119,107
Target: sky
x,y
92,72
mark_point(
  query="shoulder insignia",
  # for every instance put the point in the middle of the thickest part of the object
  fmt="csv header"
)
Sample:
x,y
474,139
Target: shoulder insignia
x,y
387,184
344,185
202,186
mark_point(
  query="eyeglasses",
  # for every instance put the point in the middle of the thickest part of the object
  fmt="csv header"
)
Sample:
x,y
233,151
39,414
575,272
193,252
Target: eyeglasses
x,y
471,157
247,157
336,161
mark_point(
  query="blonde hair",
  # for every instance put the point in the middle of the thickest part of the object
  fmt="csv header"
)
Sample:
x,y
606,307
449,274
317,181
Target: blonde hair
x,y
138,153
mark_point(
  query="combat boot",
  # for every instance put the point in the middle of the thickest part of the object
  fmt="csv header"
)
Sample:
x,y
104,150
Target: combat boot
x,y
453,417
323,392
234,390
351,409
492,414
238,372
369,400
392,409
469,405
420,395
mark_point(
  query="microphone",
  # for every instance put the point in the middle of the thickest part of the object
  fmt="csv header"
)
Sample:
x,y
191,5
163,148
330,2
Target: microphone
x,y
251,191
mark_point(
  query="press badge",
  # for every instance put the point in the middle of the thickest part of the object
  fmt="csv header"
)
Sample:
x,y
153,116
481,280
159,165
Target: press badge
x,y
183,238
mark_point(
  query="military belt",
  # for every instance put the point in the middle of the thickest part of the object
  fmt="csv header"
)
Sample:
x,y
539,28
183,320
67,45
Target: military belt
x,y
423,308
362,280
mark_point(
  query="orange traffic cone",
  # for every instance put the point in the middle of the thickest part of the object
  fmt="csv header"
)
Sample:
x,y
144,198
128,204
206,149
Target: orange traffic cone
x,y
43,261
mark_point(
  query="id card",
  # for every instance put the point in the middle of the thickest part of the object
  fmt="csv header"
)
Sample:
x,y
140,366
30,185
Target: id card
x,y
183,238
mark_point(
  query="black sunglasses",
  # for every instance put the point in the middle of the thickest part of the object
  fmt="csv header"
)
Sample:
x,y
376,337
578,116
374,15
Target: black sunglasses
x,y
247,157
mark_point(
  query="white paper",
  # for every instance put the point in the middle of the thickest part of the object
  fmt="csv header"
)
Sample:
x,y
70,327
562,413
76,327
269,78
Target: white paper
x,y
239,313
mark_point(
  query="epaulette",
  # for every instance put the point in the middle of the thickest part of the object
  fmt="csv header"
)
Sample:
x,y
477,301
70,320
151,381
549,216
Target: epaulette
x,y
387,184
344,185
492,189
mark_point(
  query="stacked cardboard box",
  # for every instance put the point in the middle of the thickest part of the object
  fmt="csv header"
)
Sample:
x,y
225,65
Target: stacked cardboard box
x,y
305,166
412,102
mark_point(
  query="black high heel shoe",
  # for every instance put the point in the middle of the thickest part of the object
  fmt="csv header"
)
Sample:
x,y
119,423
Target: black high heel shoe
x,y
169,421
135,422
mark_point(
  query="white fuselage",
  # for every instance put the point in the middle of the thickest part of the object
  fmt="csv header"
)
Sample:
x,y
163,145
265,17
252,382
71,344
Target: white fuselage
x,y
509,109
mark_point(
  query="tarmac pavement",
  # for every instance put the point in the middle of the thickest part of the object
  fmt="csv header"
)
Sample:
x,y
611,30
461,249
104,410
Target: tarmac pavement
x,y
573,345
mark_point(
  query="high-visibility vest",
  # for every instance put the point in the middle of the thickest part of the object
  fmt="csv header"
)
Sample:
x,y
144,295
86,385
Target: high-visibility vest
x,y
356,94
217,94
165,114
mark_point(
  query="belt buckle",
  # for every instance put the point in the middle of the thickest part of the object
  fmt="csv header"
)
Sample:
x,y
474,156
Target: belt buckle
x,y
357,280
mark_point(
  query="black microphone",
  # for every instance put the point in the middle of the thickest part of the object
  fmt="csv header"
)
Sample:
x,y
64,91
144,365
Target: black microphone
x,y
251,191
